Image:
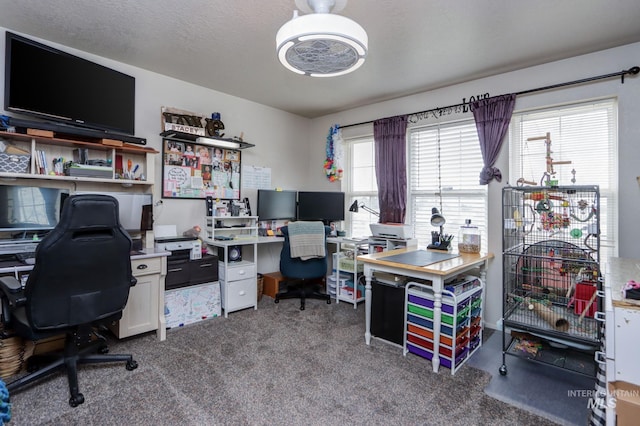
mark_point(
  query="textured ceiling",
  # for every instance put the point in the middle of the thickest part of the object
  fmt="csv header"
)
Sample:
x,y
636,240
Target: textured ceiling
x,y
414,45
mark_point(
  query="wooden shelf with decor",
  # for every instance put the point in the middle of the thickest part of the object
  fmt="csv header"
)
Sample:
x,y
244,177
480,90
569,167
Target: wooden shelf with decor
x,y
31,156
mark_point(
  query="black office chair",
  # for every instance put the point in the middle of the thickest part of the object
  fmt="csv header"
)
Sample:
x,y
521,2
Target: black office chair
x,y
303,278
80,281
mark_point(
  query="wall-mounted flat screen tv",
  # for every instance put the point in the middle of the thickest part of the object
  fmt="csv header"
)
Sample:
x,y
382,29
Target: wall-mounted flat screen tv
x,y
318,205
48,83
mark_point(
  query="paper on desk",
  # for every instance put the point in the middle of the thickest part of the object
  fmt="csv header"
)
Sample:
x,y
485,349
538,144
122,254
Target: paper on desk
x,y
161,231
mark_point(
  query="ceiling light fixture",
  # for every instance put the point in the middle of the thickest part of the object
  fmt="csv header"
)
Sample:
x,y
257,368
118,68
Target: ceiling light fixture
x,y
321,44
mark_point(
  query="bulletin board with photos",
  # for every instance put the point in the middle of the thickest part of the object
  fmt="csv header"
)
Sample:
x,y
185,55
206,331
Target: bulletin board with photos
x,y
191,170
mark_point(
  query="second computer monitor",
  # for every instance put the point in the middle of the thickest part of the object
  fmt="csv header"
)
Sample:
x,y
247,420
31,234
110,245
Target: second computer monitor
x,y
324,206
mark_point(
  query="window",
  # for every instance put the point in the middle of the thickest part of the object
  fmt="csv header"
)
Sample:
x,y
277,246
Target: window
x,y
445,156
361,185
444,169
584,134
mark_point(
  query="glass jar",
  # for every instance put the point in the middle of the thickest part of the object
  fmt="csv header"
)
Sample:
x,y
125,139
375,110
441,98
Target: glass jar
x,y
469,238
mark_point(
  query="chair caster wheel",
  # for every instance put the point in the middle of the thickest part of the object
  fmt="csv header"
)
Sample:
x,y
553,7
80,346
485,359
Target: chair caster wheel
x,y
104,349
277,301
132,365
328,301
503,370
302,308
74,401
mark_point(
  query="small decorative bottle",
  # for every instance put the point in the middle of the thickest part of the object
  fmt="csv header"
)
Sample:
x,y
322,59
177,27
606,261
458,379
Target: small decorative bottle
x,y
469,238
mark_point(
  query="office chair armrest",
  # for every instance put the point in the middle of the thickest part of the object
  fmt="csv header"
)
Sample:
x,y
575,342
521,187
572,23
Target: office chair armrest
x,y
12,290
134,281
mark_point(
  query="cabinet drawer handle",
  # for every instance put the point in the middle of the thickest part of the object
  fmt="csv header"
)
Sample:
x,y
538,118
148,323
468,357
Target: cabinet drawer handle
x,y
241,272
206,265
242,293
174,270
142,266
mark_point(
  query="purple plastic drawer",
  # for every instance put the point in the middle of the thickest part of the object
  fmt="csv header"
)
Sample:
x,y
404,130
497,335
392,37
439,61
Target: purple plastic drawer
x,y
445,362
474,343
428,303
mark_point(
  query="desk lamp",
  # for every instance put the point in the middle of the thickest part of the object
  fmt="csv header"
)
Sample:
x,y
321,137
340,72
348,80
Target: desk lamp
x,y
439,241
354,208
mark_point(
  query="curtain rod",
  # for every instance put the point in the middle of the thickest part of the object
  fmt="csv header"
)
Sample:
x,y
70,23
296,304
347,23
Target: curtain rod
x,y
632,71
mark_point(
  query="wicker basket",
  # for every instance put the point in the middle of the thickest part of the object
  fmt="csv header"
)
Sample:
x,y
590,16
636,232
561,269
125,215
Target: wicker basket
x,y
14,352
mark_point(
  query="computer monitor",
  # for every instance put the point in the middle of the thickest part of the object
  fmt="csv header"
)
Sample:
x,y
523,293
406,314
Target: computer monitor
x,y
135,210
26,209
317,205
276,205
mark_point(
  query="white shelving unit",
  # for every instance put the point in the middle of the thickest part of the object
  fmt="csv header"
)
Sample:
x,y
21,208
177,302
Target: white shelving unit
x,y
235,238
236,227
342,282
378,244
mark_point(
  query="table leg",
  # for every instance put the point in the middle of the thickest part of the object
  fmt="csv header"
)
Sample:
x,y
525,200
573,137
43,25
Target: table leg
x,y
368,272
437,320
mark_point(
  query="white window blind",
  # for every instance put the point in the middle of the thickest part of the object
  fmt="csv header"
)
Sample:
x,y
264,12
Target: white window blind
x,y
586,135
446,157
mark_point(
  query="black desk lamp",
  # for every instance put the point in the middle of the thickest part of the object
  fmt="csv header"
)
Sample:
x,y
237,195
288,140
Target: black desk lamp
x,y
439,241
354,208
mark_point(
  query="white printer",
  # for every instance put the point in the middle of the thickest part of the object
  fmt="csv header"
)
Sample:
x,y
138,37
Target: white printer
x,y
174,244
391,230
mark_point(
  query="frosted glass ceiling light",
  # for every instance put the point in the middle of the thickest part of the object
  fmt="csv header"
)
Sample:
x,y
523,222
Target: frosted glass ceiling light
x,y
321,44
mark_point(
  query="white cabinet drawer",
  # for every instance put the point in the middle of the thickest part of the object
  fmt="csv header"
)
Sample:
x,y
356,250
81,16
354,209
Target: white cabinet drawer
x,y
237,272
627,324
146,266
239,294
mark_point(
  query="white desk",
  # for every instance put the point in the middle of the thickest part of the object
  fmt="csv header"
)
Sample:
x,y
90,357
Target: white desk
x,y
437,273
145,306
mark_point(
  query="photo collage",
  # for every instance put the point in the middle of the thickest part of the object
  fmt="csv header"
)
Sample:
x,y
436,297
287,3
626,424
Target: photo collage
x,y
191,170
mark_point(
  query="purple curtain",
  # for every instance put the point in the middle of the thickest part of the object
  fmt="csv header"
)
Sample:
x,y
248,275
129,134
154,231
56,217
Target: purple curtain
x,y
492,117
389,135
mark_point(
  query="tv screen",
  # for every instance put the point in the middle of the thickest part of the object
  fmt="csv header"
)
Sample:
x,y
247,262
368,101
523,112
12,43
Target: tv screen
x,y
30,208
325,206
48,83
276,205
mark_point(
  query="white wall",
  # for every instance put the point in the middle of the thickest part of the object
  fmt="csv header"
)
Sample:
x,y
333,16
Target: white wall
x,y
600,63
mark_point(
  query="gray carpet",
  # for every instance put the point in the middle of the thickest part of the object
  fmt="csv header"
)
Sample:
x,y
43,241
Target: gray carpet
x,y
276,365
535,387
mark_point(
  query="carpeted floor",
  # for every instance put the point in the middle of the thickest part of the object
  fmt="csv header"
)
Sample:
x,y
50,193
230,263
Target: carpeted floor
x,y
277,365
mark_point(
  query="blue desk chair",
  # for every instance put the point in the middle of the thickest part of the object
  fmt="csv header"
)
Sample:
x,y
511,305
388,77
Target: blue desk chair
x,y
80,281
302,277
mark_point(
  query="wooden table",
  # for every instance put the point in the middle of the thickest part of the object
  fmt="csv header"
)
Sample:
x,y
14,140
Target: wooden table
x,y
437,273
